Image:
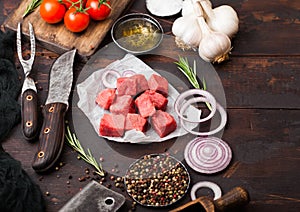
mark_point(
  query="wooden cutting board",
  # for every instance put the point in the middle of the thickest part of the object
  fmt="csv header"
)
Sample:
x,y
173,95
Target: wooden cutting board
x,y
58,38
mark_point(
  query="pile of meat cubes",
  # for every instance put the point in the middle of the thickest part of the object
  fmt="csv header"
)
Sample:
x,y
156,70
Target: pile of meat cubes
x,y
135,102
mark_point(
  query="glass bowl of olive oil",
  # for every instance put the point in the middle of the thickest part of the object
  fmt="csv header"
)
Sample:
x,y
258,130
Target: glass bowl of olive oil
x,y
137,33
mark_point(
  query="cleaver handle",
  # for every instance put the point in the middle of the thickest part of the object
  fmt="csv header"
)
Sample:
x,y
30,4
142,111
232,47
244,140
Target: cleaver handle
x,y
51,137
29,114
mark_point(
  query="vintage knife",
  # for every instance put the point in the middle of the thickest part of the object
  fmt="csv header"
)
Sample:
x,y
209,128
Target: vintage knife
x,y
51,137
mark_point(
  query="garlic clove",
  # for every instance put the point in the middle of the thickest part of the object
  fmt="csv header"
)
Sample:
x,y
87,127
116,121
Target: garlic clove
x,y
222,19
187,32
214,47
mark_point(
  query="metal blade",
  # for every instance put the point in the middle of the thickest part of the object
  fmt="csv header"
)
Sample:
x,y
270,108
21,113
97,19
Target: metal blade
x,y
61,78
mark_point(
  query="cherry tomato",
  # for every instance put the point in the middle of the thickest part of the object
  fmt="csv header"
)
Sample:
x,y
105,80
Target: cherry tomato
x,y
68,3
98,9
76,20
52,11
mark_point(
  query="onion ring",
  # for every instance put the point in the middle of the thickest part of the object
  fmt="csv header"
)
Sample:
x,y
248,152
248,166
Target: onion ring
x,y
105,79
128,73
206,184
209,98
214,131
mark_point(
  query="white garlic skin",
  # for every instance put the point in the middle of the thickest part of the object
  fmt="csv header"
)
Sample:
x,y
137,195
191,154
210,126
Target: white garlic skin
x,y
188,7
214,46
221,19
187,30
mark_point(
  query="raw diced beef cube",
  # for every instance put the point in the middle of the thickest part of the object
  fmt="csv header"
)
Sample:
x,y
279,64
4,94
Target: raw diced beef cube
x,y
144,105
122,105
141,83
159,84
135,121
112,125
126,86
159,101
105,98
163,123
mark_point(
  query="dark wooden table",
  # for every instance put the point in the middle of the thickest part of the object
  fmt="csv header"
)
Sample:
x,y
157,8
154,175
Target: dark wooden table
x,y
261,82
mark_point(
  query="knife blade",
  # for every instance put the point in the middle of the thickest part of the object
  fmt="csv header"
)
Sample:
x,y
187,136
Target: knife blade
x,y
51,138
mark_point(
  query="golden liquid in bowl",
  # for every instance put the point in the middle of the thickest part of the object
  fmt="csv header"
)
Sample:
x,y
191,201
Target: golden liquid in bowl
x,y
138,35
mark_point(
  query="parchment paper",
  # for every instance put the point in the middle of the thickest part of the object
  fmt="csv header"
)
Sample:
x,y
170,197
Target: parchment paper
x,y
89,89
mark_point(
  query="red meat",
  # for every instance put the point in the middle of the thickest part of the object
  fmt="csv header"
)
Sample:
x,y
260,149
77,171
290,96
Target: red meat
x,y
112,125
105,98
135,121
144,105
159,101
122,105
159,84
141,83
126,86
163,123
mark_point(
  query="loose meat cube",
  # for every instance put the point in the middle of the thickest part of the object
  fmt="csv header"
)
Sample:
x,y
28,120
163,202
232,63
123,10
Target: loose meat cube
x,y
122,105
126,86
141,83
159,84
105,98
112,125
144,105
159,101
163,123
135,121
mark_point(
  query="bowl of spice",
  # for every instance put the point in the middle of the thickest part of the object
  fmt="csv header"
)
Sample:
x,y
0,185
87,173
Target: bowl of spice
x,y
137,33
157,180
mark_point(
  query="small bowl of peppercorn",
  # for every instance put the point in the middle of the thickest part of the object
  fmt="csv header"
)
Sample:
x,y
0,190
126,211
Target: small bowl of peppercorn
x,y
137,33
157,180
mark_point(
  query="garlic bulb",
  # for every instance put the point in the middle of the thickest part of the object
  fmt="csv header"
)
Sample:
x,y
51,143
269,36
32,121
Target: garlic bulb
x,y
222,19
187,32
188,7
214,46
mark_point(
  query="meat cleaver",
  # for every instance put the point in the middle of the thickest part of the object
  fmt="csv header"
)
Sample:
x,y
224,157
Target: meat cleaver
x,y
94,197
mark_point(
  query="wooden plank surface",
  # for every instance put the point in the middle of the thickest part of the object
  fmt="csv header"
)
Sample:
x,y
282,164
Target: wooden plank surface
x,y
58,38
261,83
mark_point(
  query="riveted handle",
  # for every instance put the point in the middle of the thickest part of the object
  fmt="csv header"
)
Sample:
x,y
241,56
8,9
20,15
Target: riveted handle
x,y
51,137
30,120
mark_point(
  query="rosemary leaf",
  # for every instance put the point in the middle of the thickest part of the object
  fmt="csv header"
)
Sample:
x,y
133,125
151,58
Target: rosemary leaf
x,y
87,157
31,7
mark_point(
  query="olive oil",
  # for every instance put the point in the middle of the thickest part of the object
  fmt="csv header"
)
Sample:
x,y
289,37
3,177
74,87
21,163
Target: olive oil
x,y
138,35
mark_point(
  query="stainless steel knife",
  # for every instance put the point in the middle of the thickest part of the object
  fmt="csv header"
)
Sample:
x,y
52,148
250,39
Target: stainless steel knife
x,y
52,133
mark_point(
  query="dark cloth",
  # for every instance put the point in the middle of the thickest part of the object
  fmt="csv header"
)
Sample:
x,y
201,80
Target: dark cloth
x,y
18,193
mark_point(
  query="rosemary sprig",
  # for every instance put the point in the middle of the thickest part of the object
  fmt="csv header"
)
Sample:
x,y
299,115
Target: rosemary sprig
x,y
31,7
188,71
191,73
87,157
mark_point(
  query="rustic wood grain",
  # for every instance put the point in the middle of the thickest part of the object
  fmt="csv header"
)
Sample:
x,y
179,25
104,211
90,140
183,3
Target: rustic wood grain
x,y
261,83
57,37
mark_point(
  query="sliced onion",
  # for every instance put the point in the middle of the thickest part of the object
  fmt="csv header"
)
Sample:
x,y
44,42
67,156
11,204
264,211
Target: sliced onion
x,y
211,132
128,73
181,99
207,155
109,78
206,184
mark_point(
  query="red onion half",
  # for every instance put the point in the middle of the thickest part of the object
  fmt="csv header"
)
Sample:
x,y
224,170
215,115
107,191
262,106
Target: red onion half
x,y
207,155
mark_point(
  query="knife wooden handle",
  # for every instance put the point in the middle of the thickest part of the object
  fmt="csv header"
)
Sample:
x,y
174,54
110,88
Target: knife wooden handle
x,y
30,114
51,137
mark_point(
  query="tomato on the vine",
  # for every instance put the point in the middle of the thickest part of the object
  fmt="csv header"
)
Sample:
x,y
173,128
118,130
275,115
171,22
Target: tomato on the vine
x,y
76,20
68,3
98,9
52,11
